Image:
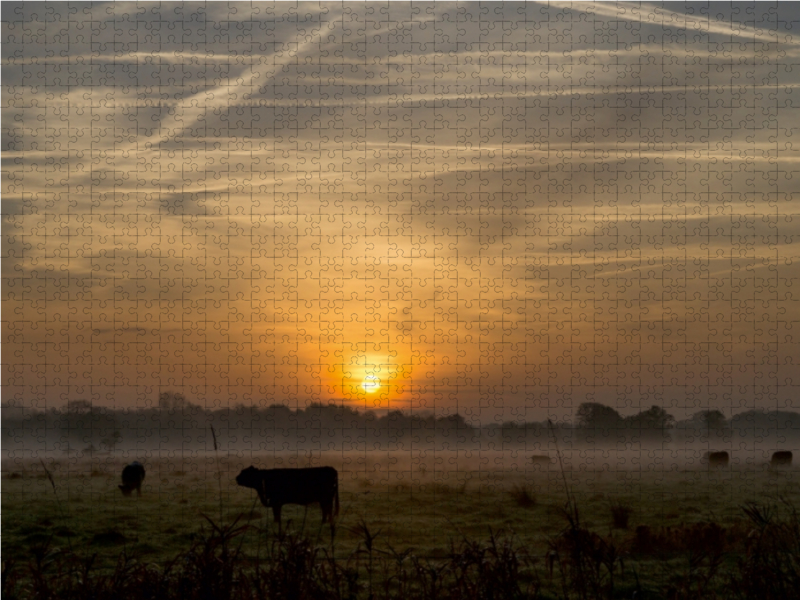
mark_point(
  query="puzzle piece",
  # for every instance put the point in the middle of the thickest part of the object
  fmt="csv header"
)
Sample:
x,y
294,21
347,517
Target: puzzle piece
x,y
458,252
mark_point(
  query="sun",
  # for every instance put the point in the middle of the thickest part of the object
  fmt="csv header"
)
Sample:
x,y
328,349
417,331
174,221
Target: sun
x,y
371,384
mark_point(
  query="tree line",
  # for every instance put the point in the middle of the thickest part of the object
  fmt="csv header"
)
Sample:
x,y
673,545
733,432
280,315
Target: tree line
x,y
175,422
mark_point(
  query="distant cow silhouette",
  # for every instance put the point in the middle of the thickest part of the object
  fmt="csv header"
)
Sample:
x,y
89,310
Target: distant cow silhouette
x,y
132,478
277,487
782,458
540,461
717,460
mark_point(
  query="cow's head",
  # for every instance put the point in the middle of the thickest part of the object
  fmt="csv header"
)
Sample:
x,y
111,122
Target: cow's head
x,y
249,477
127,490
254,478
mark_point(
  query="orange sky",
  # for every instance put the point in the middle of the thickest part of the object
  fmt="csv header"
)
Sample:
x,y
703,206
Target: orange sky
x,y
503,214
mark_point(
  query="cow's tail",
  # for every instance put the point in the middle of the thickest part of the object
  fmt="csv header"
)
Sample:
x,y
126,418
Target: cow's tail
x,y
336,497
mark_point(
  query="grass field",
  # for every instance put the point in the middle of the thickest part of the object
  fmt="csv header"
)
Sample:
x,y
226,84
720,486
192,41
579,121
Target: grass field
x,y
682,525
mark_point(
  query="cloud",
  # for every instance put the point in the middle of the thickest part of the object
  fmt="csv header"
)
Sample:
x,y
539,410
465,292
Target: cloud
x,y
281,185
654,15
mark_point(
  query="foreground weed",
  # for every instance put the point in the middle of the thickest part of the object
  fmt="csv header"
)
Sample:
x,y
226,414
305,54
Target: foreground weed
x,y
586,562
582,564
620,514
493,570
771,567
523,496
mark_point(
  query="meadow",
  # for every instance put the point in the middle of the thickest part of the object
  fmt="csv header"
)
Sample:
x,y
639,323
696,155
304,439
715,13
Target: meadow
x,y
407,524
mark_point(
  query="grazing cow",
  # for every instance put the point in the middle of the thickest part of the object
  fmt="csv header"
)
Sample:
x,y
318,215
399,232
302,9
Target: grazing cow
x,y
782,458
540,461
132,478
717,460
277,487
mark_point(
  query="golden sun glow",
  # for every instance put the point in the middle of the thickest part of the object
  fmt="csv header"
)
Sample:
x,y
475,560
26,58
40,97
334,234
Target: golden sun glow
x,y
371,384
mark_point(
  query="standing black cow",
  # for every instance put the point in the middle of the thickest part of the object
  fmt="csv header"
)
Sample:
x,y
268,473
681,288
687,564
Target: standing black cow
x,y
717,460
132,478
782,458
541,461
277,487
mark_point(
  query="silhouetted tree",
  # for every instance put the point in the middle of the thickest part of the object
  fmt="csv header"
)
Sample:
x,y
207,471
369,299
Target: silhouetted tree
x,y
110,442
655,418
710,421
654,421
172,401
177,422
79,407
593,415
77,421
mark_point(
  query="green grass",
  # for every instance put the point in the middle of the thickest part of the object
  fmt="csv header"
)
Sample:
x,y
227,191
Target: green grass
x,y
403,507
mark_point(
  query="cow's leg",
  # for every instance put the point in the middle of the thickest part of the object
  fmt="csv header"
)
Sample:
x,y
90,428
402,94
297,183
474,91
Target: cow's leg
x,y
276,515
327,509
327,514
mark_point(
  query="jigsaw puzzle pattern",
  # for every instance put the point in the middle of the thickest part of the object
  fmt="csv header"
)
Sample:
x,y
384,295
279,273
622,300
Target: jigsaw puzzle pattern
x,y
454,216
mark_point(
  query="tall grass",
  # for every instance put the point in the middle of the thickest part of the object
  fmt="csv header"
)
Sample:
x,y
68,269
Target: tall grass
x,y
585,565
771,566
620,514
688,561
586,562
213,568
523,496
219,470
59,506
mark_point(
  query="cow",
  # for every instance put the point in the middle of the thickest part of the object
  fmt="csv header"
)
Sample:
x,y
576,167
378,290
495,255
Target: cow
x,y
782,458
132,478
540,461
717,460
277,487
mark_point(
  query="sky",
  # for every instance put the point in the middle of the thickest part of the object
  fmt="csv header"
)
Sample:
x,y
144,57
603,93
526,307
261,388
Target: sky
x,y
503,210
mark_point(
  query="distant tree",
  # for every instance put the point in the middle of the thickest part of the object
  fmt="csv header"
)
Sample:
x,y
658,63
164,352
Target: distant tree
x,y
77,422
172,401
349,417
593,415
710,420
761,423
110,442
79,407
454,421
323,414
654,420
396,419
10,410
283,422
657,418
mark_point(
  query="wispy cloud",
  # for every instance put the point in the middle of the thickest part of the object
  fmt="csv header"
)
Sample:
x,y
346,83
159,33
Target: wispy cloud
x,y
240,87
657,16
274,191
